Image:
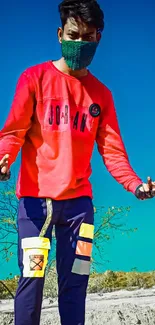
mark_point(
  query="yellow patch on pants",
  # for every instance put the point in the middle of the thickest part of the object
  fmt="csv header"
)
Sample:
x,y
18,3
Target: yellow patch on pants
x,y
86,231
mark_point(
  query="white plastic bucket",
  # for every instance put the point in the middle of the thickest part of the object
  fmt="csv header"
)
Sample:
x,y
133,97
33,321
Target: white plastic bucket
x,y
35,256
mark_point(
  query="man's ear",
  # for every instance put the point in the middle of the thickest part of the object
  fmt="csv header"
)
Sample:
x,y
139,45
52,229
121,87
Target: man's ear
x,y
60,34
99,36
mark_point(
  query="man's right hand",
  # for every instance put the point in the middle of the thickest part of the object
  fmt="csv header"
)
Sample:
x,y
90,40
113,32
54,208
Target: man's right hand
x,y
4,168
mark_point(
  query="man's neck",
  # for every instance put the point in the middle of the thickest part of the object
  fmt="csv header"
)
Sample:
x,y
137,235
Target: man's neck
x,y
62,66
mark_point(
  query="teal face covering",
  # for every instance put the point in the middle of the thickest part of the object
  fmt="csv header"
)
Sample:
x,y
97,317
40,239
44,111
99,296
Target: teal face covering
x,y
78,54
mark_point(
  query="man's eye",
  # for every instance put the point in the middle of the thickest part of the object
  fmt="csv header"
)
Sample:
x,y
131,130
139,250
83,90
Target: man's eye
x,y
71,36
88,38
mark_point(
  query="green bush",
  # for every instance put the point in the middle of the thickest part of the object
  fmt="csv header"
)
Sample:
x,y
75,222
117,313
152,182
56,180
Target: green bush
x,y
11,284
107,281
110,281
140,280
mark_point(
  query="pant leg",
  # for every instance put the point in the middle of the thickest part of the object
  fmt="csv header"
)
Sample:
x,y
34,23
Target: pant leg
x,y
32,214
74,235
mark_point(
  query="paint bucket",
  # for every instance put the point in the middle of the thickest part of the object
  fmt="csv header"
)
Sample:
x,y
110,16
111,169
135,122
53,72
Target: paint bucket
x,y
35,256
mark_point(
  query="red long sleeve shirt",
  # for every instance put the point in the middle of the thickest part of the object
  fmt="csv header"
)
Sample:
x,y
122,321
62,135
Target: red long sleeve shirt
x,y
56,119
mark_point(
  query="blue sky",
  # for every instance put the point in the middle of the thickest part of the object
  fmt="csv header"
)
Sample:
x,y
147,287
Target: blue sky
x,y
125,63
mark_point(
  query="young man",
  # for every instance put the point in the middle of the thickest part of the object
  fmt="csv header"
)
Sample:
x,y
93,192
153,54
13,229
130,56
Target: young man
x,y
59,110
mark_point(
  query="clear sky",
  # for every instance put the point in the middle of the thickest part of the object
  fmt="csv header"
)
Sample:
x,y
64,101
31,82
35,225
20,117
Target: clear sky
x,y
125,63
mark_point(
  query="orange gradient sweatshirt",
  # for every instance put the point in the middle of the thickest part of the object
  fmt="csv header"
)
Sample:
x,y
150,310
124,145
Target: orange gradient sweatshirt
x,y
56,120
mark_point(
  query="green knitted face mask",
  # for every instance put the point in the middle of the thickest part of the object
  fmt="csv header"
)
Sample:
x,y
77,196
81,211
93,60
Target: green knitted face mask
x,y
78,54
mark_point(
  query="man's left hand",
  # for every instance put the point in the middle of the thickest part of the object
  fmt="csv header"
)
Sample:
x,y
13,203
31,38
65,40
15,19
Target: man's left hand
x,y
146,190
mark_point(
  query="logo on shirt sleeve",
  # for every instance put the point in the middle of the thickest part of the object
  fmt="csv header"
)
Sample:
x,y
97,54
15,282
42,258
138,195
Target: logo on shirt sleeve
x,y
95,110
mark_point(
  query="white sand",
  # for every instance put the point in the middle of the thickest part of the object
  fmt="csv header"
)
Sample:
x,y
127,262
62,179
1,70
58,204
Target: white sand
x,y
117,308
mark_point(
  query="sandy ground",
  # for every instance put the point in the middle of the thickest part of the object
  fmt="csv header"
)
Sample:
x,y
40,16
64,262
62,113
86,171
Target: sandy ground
x,y
117,308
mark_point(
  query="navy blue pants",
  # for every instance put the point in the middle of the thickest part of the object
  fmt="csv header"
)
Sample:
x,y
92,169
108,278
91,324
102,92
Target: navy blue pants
x,y
73,220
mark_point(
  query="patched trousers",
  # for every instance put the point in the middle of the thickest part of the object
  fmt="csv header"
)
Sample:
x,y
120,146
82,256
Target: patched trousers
x,y
74,228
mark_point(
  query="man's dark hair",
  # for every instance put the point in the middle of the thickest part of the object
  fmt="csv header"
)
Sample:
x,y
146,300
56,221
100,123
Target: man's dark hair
x,y
88,11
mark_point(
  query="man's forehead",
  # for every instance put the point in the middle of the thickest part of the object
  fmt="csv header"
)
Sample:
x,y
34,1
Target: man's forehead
x,y
78,26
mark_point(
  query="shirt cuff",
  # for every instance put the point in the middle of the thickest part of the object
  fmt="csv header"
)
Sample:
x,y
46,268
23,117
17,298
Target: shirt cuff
x,y
133,186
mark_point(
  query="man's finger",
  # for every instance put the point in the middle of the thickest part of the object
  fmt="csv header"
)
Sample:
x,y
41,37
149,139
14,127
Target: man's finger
x,y
149,182
4,159
4,169
144,188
